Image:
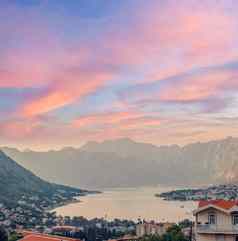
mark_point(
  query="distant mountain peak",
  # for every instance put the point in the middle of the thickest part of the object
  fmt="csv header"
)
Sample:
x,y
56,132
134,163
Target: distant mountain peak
x,y
140,163
89,145
100,146
123,139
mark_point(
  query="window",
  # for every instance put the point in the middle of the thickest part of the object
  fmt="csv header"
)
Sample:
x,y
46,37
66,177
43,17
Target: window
x,y
235,219
212,218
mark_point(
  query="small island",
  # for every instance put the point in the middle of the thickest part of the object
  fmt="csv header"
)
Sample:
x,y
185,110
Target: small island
x,y
227,192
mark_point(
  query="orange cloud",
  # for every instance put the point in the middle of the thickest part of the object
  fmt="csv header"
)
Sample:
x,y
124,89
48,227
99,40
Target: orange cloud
x,y
142,122
115,125
104,118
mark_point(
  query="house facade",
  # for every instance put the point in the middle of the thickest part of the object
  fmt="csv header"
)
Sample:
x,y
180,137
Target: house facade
x,y
216,220
148,228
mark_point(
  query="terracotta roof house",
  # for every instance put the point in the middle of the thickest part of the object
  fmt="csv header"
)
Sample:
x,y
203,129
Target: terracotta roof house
x,y
216,220
31,236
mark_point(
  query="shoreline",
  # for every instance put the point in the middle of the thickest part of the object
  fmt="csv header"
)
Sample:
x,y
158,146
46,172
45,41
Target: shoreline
x,y
61,204
129,204
75,199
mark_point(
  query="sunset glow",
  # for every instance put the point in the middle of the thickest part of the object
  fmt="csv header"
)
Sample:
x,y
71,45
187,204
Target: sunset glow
x,y
155,71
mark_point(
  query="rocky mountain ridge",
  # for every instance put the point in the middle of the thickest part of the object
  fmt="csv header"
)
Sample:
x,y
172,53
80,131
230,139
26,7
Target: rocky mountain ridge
x,y
124,162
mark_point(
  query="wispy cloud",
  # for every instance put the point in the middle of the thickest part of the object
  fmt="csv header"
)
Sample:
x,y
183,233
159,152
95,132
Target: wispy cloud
x,y
165,60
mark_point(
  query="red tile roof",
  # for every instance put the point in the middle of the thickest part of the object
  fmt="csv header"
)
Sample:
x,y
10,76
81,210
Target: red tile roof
x,y
44,237
219,203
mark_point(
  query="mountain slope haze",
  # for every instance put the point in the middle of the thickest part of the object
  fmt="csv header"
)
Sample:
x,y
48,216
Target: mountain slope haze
x,y
123,162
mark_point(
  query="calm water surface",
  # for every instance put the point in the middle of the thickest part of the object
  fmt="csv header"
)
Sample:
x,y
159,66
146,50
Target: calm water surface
x,y
130,203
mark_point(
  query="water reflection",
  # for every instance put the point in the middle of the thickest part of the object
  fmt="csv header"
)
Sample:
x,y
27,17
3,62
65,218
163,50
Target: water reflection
x,y
130,203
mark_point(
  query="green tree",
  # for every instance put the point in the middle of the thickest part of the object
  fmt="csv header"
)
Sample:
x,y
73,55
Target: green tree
x,y
174,233
186,223
3,234
152,237
14,237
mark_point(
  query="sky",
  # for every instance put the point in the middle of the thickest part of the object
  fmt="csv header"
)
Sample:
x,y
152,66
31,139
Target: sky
x,y
157,71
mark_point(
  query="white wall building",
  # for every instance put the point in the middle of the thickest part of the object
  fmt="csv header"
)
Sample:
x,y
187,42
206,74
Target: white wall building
x,y
216,220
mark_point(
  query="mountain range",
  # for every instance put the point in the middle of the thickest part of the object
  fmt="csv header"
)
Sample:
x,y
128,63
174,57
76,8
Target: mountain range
x,y
16,182
124,162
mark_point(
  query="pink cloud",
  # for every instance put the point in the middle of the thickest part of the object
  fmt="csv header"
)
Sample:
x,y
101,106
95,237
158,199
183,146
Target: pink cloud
x,y
62,75
123,121
69,88
161,41
176,40
39,65
115,125
200,86
143,122
18,129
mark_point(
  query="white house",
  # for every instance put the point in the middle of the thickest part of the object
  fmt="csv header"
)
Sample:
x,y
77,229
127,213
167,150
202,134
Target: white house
x,y
216,220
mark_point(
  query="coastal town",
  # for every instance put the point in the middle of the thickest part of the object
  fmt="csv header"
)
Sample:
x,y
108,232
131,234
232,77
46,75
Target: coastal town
x,y
34,211
35,217
214,220
226,192
79,228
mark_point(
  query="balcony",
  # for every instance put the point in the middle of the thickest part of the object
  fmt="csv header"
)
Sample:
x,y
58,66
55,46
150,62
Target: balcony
x,y
216,229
